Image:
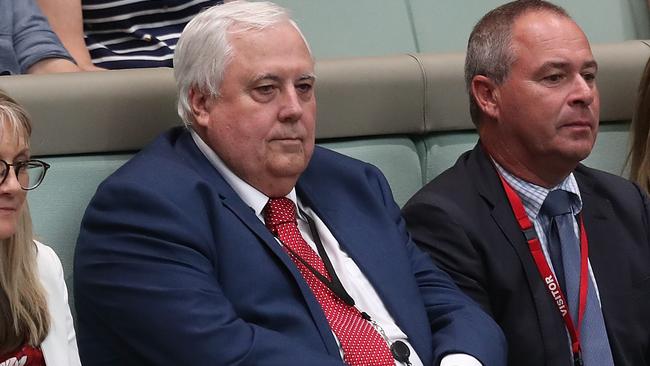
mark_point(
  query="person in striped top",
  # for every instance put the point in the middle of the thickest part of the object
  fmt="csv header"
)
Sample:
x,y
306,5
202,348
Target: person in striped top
x,y
121,34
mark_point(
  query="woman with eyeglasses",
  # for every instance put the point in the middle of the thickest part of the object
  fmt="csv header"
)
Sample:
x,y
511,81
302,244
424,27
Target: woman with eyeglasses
x,y
35,323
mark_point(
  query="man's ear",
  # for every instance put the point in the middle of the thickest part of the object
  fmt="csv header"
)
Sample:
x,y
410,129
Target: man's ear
x,y
486,95
201,105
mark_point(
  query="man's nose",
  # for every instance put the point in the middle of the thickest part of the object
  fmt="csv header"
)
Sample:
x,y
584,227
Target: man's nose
x,y
291,108
583,92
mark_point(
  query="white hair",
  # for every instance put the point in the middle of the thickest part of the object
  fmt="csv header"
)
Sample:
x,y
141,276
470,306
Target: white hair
x,y
204,50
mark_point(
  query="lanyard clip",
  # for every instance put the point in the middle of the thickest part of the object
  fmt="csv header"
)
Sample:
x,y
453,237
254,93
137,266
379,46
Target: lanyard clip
x,y
577,359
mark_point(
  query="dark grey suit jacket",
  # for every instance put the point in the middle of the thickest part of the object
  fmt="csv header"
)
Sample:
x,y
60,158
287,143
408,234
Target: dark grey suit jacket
x,y
463,219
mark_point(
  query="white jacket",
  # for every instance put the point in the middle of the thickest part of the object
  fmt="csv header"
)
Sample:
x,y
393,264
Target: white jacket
x,y
60,346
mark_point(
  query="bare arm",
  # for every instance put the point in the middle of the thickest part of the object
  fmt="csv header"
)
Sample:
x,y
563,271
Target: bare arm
x,y
53,65
65,17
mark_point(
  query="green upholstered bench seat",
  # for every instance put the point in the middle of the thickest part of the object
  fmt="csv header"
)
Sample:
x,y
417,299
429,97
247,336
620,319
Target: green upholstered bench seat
x,y
407,114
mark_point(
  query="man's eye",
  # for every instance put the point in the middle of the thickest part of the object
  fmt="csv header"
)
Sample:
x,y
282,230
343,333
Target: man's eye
x,y
554,78
589,76
265,89
304,87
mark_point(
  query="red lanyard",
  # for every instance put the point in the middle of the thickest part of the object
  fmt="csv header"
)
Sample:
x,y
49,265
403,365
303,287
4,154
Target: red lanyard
x,y
548,277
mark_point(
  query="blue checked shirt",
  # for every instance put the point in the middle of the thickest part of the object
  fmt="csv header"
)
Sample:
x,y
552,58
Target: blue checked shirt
x,y
533,196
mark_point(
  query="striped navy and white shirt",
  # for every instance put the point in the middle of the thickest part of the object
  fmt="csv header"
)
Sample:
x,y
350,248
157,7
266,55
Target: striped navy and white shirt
x,y
124,34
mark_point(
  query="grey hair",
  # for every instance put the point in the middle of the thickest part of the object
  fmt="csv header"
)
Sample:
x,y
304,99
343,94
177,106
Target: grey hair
x,y
204,50
489,48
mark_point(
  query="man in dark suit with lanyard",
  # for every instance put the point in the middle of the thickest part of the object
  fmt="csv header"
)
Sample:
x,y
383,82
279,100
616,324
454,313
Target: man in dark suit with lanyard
x,y
556,252
235,241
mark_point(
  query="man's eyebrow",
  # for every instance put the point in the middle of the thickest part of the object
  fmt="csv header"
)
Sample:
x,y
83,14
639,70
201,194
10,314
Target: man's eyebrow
x,y
310,76
565,65
276,78
260,77
555,65
590,64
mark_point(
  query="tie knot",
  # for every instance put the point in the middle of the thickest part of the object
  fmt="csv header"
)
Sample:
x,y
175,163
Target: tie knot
x,y
557,202
279,211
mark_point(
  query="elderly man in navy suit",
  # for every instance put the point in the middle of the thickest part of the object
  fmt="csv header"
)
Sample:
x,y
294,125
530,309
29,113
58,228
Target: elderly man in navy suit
x,y
236,241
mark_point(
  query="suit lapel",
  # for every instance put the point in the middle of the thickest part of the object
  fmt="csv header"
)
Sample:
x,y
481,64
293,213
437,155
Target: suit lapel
x,y
606,254
232,201
227,195
597,213
333,214
354,236
248,218
492,191
361,240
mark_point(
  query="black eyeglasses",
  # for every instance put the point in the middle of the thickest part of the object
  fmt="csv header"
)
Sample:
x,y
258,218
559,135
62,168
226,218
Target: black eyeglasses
x,y
30,173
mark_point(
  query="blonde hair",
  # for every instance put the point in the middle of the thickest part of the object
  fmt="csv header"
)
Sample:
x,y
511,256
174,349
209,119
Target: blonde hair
x,y
639,156
24,316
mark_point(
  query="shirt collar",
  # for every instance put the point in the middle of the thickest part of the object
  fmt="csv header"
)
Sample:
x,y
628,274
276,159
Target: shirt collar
x,y
533,196
249,194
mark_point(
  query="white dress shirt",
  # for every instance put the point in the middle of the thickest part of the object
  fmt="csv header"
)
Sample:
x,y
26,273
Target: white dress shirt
x,y
354,281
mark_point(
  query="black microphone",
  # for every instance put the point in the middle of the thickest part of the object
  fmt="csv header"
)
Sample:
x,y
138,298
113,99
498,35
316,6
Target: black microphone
x,y
401,352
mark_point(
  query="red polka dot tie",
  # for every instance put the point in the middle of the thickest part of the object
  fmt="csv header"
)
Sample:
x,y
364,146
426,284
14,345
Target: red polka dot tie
x,y
361,343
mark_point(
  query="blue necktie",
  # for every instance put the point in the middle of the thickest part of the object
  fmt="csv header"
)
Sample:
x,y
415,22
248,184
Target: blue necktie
x,y
564,250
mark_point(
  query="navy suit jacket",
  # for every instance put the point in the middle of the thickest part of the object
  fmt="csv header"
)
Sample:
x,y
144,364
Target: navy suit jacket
x,y
172,268
463,219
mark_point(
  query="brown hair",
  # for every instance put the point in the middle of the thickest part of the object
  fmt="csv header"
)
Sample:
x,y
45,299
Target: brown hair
x,y
24,316
640,134
489,48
